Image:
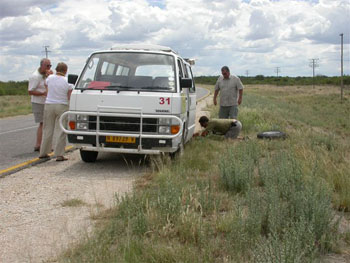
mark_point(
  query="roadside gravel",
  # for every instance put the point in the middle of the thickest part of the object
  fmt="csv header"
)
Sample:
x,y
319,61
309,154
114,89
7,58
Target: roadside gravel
x,y
35,223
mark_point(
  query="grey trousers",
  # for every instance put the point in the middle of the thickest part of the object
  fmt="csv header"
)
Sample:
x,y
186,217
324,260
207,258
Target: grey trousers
x,y
228,112
234,131
52,114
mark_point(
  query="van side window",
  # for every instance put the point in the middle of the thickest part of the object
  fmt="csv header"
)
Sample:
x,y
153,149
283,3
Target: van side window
x,y
122,71
193,88
181,75
186,71
108,68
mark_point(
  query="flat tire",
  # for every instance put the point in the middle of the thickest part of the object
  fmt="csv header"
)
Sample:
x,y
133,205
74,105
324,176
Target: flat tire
x,y
272,135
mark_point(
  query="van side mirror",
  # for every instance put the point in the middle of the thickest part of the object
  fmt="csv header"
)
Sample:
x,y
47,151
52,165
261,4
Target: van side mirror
x,y
186,83
72,79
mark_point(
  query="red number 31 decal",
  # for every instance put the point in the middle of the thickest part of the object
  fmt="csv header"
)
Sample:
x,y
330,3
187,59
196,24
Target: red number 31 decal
x,y
164,100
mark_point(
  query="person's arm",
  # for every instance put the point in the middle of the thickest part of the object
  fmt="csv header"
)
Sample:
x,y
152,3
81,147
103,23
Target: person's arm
x,y
36,93
240,88
240,96
32,85
205,133
69,93
216,92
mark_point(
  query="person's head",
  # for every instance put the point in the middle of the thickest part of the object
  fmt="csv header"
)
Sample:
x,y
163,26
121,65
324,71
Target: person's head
x,y
61,68
204,121
45,64
225,71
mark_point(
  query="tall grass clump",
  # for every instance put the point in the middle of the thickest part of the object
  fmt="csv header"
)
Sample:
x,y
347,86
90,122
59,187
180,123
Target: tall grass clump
x,y
237,167
295,214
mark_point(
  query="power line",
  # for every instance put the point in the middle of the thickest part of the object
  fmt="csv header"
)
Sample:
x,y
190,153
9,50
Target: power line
x,y
46,51
341,67
314,64
277,70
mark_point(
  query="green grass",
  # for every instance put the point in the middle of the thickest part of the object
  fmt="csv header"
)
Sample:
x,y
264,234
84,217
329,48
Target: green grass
x,y
13,88
244,200
15,105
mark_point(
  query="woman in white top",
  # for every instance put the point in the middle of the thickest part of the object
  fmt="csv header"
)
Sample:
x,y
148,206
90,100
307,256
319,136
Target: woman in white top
x,y
57,100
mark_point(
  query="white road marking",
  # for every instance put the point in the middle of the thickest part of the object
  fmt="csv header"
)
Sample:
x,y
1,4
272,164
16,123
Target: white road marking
x,y
23,129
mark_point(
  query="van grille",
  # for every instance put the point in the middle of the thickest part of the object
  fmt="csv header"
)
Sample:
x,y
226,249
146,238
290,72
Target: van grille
x,y
123,124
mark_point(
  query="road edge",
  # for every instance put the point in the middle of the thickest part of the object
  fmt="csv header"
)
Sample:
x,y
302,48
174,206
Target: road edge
x,y
35,161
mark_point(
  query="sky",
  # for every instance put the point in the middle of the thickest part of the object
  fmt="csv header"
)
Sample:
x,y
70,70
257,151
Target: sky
x,y
252,37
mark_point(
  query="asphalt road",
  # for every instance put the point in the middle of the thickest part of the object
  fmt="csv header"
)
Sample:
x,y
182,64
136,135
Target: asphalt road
x,y
17,138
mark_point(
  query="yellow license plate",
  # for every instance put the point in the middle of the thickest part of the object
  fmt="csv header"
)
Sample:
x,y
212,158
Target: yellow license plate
x,y
120,139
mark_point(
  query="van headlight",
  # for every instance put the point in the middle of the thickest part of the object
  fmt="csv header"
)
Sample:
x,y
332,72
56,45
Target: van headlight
x,y
164,129
82,118
82,126
82,122
164,121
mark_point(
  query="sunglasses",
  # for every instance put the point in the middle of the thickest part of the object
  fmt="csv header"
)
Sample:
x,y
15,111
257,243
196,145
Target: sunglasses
x,y
48,66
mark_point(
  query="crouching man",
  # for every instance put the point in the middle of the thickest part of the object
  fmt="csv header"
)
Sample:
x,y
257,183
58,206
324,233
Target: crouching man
x,y
228,127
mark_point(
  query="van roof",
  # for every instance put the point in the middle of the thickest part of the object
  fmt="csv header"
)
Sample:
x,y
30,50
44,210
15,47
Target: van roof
x,y
148,47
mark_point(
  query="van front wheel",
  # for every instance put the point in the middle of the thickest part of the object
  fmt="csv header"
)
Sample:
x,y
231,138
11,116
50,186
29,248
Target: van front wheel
x,y
88,156
180,150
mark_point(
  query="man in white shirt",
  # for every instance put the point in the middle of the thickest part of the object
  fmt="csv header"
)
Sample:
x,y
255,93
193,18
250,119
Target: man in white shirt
x,y
38,92
231,93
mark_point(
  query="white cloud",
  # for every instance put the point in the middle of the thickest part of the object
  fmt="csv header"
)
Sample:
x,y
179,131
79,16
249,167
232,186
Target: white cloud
x,y
255,35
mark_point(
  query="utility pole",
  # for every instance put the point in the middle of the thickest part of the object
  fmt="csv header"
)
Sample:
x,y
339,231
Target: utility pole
x,y
247,73
46,51
341,68
314,64
277,70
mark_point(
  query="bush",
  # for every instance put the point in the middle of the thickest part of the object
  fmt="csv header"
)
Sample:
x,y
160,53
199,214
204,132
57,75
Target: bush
x,y
293,209
13,88
271,80
237,167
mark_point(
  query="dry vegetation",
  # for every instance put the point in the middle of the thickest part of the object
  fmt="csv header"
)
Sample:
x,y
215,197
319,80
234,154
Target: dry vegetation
x,y
247,200
15,105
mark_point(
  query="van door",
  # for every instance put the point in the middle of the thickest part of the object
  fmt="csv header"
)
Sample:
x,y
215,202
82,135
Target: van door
x,y
184,99
192,102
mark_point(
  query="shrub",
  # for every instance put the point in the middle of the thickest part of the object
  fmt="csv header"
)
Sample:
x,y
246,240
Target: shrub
x,y
237,167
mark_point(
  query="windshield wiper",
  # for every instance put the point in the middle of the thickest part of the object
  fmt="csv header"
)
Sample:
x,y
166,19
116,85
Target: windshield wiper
x,y
156,87
126,88
119,88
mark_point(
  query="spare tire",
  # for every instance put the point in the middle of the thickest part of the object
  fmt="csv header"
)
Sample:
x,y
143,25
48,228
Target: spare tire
x,y
272,135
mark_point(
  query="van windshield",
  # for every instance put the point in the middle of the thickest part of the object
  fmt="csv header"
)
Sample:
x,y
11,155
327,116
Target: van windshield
x,y
129,71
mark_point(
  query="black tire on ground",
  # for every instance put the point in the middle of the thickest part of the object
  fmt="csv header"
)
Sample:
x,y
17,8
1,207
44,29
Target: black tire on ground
x,y
88,156
272,135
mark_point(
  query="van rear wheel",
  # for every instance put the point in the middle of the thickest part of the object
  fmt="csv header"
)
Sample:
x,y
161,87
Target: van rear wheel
x,y
88,156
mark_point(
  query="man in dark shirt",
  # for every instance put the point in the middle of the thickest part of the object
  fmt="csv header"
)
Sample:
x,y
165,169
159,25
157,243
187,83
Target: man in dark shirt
x,y
228,127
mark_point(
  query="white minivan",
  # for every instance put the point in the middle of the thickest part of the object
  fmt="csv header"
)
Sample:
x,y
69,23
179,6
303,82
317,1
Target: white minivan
x,y
132,99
